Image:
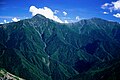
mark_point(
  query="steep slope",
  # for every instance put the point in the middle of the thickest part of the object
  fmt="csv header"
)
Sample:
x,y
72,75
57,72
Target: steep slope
x,y
41,49
101,71
23,51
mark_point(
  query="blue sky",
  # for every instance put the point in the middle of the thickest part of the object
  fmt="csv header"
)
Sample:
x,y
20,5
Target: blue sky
x,y
66,10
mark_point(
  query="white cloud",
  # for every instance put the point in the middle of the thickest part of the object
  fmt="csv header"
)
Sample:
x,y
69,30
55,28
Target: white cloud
x,y
5,21
1,22
112,6
47,12
116,5
105,13
106,5
15,19
117,15
66,21
56,11
65,13
77,18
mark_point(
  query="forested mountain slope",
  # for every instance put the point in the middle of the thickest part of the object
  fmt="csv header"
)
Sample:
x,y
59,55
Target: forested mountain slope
x,y
41,49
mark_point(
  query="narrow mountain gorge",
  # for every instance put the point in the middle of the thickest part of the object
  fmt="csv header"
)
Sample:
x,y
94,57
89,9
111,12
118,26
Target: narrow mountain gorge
x,y
42,49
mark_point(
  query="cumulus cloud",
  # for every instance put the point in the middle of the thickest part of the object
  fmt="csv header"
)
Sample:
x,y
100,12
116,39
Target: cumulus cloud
x,y
65,13
15,19
1,22
106,5
117,15
112,6
105,13
5,21
66,21
77,18
47,12
56,11
116,5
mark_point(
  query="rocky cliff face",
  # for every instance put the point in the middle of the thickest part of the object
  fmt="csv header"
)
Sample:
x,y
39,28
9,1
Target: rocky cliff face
x,y
41,49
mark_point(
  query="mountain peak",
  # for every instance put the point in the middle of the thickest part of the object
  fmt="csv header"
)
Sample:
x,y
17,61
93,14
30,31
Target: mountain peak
x,y
39,16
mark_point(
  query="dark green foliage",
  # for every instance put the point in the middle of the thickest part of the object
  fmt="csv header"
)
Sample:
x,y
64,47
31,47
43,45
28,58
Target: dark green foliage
x,y
41,49
101,71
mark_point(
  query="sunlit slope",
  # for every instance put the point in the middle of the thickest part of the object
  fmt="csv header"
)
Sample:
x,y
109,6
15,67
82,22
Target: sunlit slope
x,y
41,49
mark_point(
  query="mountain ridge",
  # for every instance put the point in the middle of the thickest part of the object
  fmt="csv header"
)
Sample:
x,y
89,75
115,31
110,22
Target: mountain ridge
x,y
48,50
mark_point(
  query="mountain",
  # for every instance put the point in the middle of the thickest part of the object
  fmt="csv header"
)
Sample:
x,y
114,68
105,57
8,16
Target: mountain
x,y
42,49
101,71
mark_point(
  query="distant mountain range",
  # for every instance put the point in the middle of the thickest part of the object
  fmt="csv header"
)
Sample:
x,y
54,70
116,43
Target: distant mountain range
x,y
42,49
